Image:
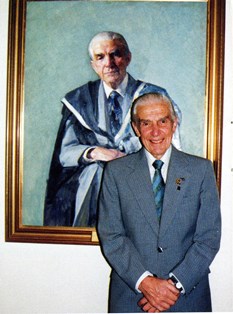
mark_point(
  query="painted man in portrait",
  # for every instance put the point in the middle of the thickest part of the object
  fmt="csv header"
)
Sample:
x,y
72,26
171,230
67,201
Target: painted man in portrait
x,y
95,128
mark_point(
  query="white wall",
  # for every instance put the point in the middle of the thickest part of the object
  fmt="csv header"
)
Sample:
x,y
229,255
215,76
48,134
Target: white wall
x,y
41,278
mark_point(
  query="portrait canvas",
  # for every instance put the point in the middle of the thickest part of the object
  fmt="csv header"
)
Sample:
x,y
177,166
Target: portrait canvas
x,y
168,45
177,45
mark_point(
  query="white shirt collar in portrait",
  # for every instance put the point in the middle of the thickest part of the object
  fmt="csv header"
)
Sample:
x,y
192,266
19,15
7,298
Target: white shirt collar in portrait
x,y
121,89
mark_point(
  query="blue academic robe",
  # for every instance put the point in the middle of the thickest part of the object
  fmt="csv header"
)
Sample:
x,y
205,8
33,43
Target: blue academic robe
x,y
64,182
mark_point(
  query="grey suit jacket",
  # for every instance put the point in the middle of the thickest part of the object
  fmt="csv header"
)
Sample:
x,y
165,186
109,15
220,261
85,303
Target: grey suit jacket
x,y
184,243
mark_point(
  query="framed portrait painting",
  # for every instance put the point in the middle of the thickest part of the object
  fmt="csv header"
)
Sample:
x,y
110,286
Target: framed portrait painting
x,y
178,45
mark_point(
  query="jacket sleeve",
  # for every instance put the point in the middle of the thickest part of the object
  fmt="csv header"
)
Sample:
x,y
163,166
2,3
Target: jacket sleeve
x,y
71,148
117,247
206,240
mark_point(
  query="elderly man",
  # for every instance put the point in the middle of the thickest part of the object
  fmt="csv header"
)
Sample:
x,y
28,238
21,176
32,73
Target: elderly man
x,y
95,128
159,218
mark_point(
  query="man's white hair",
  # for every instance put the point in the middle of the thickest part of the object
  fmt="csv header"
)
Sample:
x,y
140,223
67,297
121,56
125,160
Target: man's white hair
x,y
108,35
143,99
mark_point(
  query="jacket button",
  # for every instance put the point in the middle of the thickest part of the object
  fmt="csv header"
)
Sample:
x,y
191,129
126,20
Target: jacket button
x,y
160,249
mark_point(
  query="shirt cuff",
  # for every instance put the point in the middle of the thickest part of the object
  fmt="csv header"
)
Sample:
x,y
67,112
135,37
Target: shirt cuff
x,y
143,276
183,290
85,154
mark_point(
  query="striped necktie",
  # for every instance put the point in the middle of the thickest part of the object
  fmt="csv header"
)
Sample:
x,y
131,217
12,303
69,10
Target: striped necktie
x,y
115,113
158,187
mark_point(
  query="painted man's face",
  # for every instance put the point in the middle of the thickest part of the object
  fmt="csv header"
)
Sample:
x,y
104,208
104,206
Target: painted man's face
x,y
110,61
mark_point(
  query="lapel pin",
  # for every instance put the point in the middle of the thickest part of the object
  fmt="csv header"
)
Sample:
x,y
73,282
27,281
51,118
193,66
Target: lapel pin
x,y
178,183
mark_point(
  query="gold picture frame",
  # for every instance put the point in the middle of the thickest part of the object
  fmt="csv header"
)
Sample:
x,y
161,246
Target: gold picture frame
x,y
16,231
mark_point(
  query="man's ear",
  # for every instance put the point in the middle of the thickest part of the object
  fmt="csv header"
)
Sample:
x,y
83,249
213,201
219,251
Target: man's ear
x,y
93,65
135,128
175,123
129,58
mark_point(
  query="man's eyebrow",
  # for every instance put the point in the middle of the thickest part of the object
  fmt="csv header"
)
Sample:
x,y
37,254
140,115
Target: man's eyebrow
x,y
144,120
98,53
148,120
116,51
166,117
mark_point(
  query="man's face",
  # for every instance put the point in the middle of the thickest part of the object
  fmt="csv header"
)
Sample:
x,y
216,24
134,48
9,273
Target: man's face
x,y
110,62
155,126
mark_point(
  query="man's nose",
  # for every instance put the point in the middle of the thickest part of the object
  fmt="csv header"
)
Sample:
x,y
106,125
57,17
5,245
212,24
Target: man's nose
x,y
155,129
109,60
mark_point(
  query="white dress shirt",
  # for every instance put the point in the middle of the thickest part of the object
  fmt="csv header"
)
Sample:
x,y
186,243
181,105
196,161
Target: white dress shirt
x,y
150,159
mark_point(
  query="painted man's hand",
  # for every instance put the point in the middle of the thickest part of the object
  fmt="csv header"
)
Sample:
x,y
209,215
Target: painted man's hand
x,y
105,154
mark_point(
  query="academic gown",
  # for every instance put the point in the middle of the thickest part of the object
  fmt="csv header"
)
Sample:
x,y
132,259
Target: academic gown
x,y
64,183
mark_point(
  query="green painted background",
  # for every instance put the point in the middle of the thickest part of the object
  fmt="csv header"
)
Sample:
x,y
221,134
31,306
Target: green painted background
x,y
168,44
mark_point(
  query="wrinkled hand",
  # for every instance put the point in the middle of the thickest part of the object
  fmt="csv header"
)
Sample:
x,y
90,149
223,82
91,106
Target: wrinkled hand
x,y
146,306
106,154
158,294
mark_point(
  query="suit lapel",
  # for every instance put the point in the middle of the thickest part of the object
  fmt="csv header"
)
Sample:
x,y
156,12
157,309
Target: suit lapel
x,y
140,184
178,173
141,187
